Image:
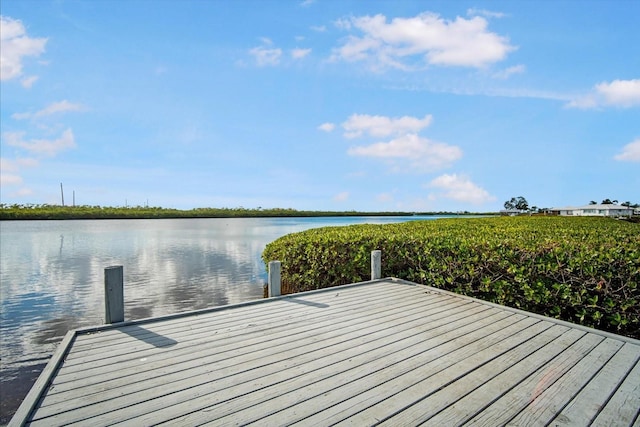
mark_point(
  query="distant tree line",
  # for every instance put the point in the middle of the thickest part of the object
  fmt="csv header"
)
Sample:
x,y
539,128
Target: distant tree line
x,y
614,202
46,211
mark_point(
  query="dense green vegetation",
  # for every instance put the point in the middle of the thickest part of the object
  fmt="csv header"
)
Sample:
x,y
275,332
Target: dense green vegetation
x,y
29,212
584,270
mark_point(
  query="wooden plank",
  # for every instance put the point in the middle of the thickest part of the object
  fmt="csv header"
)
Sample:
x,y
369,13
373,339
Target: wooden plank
x,y
290,312
221,318
624,405
586,405
514,400
480,389
208,386
429,407
306,394
399,396
181,369
553,399
349,398
216,354
238,343
357,336
267,304
248,326
409,342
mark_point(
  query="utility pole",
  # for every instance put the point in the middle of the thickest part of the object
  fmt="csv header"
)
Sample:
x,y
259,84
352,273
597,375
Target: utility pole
x,y
62,194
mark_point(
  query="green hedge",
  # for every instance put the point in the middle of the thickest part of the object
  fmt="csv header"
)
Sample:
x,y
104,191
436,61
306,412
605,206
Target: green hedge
x,y
583,270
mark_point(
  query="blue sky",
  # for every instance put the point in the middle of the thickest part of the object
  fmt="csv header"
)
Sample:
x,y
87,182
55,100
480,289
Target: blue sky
x,y
327,105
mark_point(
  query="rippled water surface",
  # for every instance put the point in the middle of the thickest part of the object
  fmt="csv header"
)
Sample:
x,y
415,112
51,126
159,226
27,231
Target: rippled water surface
x,y
52,276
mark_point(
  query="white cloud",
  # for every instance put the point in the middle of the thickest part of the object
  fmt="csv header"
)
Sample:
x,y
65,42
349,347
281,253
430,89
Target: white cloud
x,y
381,126
623,93
461,42
300,53
508,72
9,170
14,46
27,82
583,102
15,165
618,93
318,28
54,108
484,12
460,188
341,197
342,23
41,146
307,3
327,127
411,153
630,152
265,56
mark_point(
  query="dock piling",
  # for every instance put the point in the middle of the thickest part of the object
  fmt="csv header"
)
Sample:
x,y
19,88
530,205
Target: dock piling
x,y
274,278
376,265
114,294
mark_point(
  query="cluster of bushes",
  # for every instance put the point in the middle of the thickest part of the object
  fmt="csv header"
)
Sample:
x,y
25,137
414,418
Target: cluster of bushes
x,y
583,270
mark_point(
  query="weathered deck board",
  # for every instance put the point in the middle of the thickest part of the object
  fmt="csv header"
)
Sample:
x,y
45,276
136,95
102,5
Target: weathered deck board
x,y
382,351
265,355
359,392
357,361
625,401
585,405
215,350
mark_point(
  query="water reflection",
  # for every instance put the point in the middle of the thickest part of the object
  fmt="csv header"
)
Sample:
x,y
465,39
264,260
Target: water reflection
x,y
52,275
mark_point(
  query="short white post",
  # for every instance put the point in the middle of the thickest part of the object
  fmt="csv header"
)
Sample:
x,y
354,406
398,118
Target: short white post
x,y
274,278
376,265
113,294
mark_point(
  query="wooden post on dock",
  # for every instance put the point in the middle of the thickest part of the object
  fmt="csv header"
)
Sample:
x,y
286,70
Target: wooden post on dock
x,y
376,265
274,278
113,294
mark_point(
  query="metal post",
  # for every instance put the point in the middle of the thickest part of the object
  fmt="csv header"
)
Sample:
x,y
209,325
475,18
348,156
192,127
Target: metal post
x,y
376,265
274,278
114,294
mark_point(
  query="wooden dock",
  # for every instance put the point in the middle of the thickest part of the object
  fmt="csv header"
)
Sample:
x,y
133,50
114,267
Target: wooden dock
x,y
379,352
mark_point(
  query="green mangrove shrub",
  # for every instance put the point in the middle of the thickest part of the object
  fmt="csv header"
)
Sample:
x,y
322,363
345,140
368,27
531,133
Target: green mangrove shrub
x,y
583,270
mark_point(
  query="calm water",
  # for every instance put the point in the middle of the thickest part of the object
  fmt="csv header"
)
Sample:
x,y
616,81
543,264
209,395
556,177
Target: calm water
x,y
52,276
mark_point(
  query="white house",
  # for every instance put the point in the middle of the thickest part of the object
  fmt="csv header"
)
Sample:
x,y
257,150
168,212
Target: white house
x,y
594,210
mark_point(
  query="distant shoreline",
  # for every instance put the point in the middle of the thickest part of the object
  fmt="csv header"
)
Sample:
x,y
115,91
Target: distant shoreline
x,y
57,212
